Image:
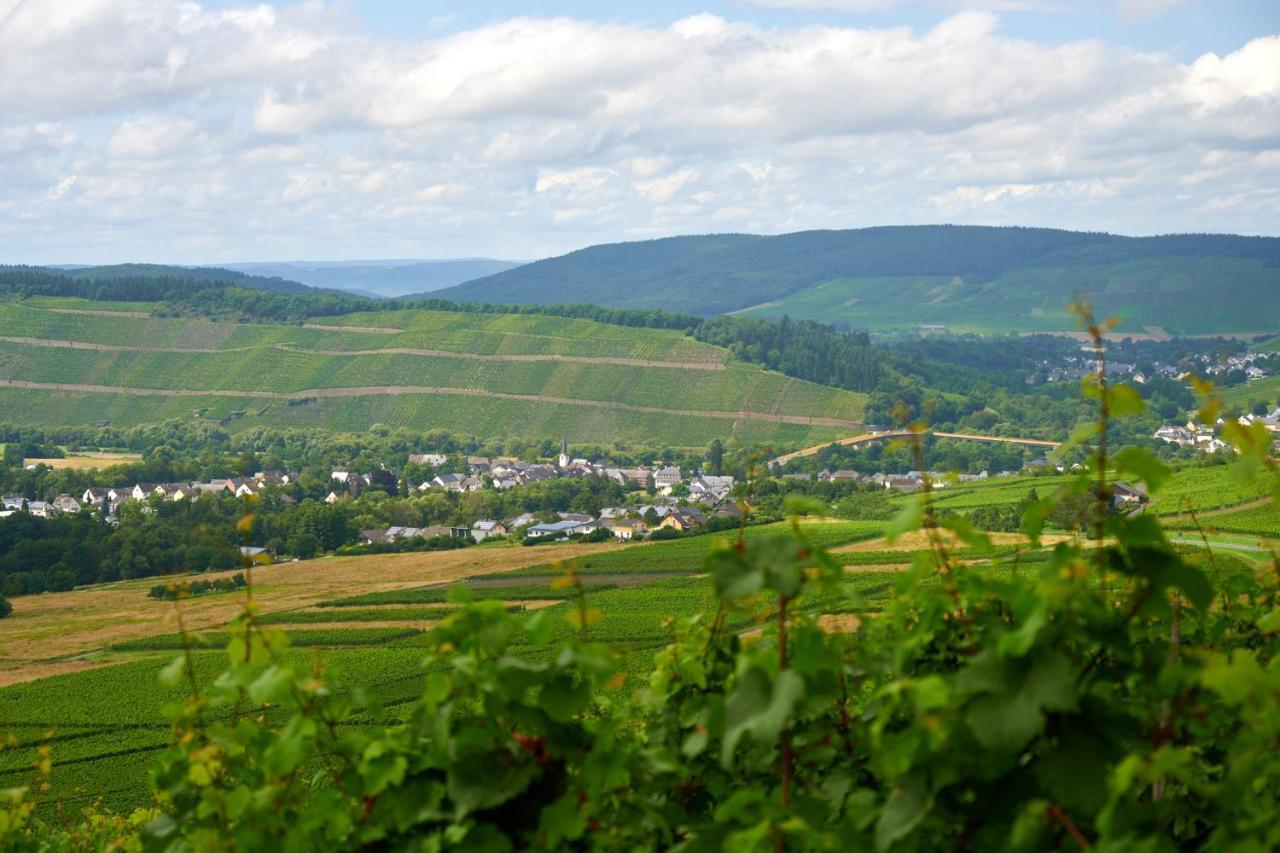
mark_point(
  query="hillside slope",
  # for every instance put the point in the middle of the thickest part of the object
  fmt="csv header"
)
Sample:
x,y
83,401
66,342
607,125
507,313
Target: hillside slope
x,y
969,277
487,375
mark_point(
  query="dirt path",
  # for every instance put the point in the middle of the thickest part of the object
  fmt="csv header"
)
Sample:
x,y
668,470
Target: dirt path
x,y
429,353
57,344
1212,513
380,330
46,630
919,540
474,356
394,390
91,312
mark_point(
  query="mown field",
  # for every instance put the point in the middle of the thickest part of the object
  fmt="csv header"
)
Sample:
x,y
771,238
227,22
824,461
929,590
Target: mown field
x,y
487,375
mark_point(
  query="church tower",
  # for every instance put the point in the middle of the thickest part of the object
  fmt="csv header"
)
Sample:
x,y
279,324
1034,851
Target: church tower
x,y
564,451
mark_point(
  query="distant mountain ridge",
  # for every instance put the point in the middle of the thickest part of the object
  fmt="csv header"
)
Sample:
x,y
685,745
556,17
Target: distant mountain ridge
x,y
897,277
115,272
379,278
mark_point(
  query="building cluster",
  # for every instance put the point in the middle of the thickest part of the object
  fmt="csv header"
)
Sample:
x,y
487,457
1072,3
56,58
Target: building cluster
x,y
1206,439
110,499
622,522
1254,365
507,472
912,481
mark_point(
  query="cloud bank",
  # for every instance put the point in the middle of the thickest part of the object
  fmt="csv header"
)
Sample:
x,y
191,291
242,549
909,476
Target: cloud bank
x,y
165,130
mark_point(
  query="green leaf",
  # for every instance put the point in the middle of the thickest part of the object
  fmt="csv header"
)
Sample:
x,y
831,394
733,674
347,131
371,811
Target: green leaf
x,y
381,767
906,807
564,697
1146,467
1011,710
274,682
1270,623
292,748
1238,678
484,779
759,707
174,670
1033,519
909,519
967,533
734,575
804,505
1125,401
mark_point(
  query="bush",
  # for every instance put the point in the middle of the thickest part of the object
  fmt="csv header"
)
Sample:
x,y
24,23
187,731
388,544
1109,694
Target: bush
x,y
5,607
174,590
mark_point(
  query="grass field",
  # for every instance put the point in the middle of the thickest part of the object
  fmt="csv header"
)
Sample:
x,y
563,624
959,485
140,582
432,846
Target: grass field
x,y
1184,296
485,375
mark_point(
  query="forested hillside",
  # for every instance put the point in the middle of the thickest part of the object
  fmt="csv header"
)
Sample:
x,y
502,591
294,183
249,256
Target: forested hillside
x,y
976,278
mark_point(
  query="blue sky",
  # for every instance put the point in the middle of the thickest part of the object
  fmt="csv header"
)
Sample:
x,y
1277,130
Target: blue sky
x,y
162,130
1184,29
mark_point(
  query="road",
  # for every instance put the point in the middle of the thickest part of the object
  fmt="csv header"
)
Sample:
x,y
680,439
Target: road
x,y
1229,546
889,436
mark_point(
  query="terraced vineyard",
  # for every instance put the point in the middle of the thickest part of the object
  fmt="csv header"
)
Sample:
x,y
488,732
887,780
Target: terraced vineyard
x,y
480,374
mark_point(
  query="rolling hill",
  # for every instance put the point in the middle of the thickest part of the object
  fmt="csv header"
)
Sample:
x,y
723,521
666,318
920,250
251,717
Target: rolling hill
x,y
112,275
967,278
379,278
75,362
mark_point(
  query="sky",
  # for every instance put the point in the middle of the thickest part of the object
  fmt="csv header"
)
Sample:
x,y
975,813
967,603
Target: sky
x,y
219,131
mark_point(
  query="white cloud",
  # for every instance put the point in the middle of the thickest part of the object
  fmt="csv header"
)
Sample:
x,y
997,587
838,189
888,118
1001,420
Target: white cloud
x,y
261,132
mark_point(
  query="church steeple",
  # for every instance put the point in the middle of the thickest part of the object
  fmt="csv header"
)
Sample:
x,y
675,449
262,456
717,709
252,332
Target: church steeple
x,y
564,451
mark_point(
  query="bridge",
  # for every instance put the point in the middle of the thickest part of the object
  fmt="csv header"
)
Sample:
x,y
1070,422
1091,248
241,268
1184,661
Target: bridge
x,y
867,438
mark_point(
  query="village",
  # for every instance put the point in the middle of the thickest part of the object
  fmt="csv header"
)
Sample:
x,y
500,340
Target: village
x,y
1207,439
1238,368
667,498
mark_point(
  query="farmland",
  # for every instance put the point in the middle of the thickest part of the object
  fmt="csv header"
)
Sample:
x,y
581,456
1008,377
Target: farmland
x,y
103,668
488,375
102,648
1266,390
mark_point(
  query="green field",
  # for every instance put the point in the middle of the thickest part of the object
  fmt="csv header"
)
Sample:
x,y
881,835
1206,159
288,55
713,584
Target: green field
x,y
488,375
1199,489
1262,520
108,728
1265,390
1182,296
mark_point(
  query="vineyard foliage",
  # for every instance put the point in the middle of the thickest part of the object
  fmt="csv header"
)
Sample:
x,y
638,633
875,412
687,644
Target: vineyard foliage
x,y
558,375
1112,691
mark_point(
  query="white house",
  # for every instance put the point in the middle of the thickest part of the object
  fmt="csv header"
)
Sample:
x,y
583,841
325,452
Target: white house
x,y
485,528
